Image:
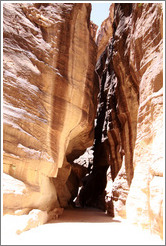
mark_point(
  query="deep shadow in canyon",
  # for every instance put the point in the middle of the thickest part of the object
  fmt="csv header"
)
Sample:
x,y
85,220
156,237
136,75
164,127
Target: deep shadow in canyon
x,y
68,92
115,123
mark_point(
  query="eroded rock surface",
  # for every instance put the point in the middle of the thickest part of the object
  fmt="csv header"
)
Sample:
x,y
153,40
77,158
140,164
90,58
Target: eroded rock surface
x,y
145,201
129,130
49,95
93,30
50,90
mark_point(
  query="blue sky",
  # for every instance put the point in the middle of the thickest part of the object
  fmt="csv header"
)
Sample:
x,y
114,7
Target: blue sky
x,y
100,12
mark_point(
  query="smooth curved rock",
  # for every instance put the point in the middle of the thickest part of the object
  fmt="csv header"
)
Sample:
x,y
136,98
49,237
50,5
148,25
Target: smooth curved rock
x,y
49,92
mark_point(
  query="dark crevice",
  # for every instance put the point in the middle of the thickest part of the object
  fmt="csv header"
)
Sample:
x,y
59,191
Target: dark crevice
x,y
109,137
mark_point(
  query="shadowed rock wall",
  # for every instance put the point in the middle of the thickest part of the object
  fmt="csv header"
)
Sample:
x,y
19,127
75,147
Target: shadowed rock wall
x,y
129,130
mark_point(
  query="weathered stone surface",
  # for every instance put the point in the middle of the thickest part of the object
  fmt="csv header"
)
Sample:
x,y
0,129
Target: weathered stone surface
x,y
129,130
17,195
49,94
115,132
49,109
93,30
146,208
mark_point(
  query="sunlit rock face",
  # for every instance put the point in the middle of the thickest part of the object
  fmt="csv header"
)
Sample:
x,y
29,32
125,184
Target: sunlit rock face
x,y
129,131
145,201
93,30
49,93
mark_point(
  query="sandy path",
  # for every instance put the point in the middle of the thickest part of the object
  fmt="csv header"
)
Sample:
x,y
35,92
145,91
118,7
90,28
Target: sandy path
x,y
80,227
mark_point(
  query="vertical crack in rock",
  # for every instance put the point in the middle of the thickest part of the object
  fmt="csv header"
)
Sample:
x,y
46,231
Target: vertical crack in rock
x,y
130,78
50,91
115,131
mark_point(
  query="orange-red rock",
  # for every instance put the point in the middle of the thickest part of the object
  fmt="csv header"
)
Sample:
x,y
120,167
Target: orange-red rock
x,y
49,108
49,95
93,30
130,113
145,201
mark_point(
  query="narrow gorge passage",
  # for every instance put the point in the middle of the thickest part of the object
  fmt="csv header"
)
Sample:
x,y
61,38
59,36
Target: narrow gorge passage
x,y
83,121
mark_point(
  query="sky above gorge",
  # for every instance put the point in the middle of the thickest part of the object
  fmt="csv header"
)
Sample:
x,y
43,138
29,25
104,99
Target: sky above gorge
x,y
100,11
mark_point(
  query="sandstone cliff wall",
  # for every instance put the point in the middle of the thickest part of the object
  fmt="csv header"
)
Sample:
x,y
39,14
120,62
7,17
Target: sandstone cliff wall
x,y
50,90
49,97
129,130
145,200
93,30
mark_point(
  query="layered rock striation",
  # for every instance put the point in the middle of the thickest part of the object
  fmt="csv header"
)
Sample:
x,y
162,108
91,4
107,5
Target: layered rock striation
x,y
145,200
115,132
50,95
129,128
